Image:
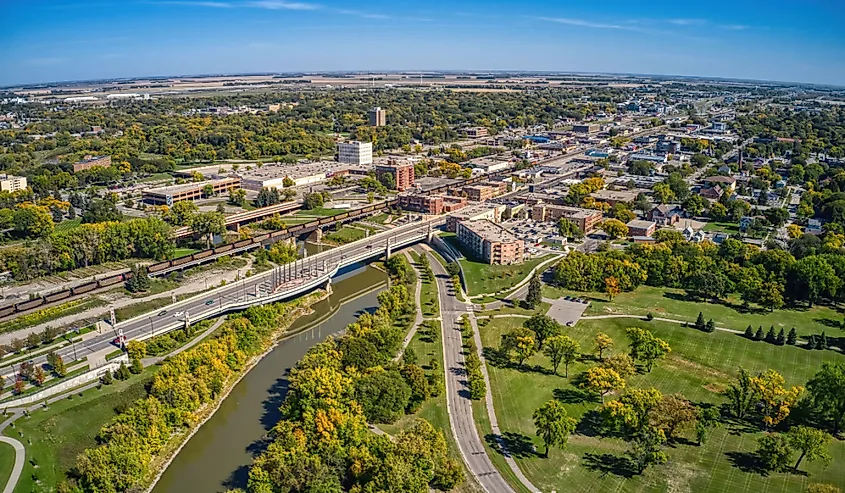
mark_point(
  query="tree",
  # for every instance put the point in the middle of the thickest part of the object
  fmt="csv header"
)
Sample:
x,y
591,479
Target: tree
x,y
780,340
101,211
602,342
695,205
707,418
811,278
136,367
139,280
19,386
646,347
699,322
122,372
827,391
107,377
758,336
237,197
673,414
621,364
742,394
777,216
811,444
663,193
602,381
562,349
773,452
614,228
208,224
535,293
57,364
777,400
710,326
208,190
553,424
39,375
409,356
770,335
749,332
568,229
646,451
792,337
543,327
518,344
632,412
268,196
313,201
33,221
383,394
611,287
288,182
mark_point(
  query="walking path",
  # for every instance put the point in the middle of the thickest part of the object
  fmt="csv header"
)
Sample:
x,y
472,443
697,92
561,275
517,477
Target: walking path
x,y
20,456
419,318
196,340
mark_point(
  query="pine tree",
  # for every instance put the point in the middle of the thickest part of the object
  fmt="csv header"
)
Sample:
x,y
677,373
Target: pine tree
x,y
770,335
535,292
711,326
137,367
780,340
822,342
122,372
792,337
699,322
107,378
759,335
749,332
811,342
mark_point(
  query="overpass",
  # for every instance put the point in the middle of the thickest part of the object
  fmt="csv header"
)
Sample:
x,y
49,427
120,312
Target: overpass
x,y
247,216
279,284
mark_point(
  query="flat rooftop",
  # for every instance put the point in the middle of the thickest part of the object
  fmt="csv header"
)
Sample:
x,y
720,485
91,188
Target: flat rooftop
x,y
640,224
169,190
490,231
576,212
272,171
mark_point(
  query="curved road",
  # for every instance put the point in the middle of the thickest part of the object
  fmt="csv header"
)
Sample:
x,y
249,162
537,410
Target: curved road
x,y
20,456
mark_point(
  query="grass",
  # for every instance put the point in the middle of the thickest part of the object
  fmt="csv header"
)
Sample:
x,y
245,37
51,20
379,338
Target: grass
x,y
672,303
157,286
141,308
699,366
51,313
729,228
183,252
68,225
320,211
484,278
345,235
379,218
55,436
543,307
7,462
34,389
429,302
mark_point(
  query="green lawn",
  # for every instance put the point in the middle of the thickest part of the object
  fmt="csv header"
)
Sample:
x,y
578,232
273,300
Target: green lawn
x,y
320,211
345,235
59,433
484,278
130,311
699,366
429,302
68,225
183,252
672,303
730,228
7,462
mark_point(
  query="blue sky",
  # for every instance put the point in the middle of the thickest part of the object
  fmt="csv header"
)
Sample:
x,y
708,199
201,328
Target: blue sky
x,y
52,40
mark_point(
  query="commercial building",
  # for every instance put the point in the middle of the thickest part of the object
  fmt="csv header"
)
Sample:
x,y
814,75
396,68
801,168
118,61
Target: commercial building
x,y
378,117
90,162
647,157
475,212
490,242
274,175
355,152
613,197
585,219
586,128
402,173
191,191
475,132
9,183
427,204
479,193
638,227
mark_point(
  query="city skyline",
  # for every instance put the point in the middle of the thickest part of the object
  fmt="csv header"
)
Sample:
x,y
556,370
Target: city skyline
x,y
63,41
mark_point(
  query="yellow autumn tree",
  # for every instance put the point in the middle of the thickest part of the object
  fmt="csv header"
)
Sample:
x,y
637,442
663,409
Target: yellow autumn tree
x,y
776,398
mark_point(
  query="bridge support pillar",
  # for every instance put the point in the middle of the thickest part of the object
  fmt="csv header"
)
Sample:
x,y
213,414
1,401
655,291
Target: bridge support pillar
x,y
316,235
387,255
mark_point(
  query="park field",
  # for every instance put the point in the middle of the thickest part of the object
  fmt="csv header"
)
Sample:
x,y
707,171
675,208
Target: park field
x,y
673,304
699,367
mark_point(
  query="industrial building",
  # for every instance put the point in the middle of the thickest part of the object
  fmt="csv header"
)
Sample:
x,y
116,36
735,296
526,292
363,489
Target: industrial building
x,y
377,117
10,183
90,162
490,242
585,219
355,152
191,191
402,173
586,128
274,175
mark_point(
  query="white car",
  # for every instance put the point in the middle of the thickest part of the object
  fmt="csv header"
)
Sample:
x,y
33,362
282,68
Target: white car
x,y
178,314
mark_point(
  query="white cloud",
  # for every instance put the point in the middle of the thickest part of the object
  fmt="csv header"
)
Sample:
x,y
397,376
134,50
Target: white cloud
x,y
582,23
735,27
283,5
687,22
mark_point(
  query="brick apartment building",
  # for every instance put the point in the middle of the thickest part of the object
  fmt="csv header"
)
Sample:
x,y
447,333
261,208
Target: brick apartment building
x,y
490,242
479,193
90,162
585,219
403,174
422,203
638,227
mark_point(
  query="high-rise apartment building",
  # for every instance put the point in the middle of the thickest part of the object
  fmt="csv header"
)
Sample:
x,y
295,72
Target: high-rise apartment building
x,y
490,242
355,152
9,183
378,117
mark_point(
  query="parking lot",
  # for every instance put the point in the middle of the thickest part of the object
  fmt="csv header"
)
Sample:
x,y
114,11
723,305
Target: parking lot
x,y
532,233
567,312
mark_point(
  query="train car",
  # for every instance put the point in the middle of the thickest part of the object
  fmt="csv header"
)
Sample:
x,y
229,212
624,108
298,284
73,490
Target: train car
x,y
7,310
58,296
224,248
341,217
29,305
108,281
243,243
261,238
369,208
203,254
84,288
159,266
180,261
281,232
325,220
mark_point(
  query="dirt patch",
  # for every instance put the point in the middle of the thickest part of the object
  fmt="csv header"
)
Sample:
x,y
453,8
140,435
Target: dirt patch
x,y
716,387
700,369
678,478
570,462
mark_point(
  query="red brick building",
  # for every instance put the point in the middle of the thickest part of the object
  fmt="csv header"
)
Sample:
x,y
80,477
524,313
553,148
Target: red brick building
x,y
402,173
422,203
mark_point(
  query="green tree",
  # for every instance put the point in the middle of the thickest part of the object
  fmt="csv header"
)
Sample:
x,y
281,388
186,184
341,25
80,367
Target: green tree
x,y
614,228
181,213
562,349
383,394
792,337
810,443
106,378
811,278
553,424
742,394
518,344
707,418
602,343
208,224
101,211
602,381
33,221
122,372
288,182
313,201
663,193
646,449
569,229
543,327
646,347
749,332
535,292
699,322
773,452
827,391
137,367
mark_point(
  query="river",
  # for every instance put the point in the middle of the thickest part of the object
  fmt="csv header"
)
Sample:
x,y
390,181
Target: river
x,y
218,456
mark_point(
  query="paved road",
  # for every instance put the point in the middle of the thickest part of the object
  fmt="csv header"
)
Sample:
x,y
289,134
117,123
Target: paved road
x,y
20,456
245,291
458,402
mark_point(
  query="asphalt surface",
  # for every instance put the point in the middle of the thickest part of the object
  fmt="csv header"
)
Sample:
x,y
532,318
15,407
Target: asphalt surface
x,y
458,401
163,319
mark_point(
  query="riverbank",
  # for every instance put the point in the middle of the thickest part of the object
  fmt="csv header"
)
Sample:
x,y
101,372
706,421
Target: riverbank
x,y
160,465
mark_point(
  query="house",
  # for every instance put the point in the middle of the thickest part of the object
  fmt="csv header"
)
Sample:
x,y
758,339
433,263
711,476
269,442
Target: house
x,y
814,227
724,169
666,214
724,182
640,228
693,235
712,193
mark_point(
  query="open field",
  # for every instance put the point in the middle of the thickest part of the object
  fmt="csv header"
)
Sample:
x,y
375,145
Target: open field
x,y
672,303
68,225
483,278
729,228
7,462
699,367
183,252
59,433
345,235
320,211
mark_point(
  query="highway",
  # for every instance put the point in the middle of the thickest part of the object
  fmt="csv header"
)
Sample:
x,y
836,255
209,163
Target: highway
x,y
281,283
